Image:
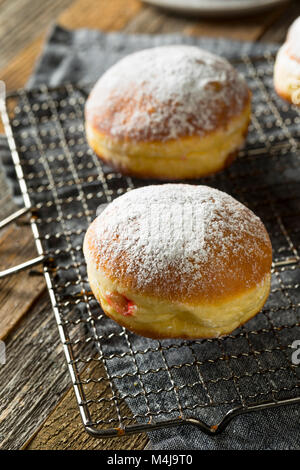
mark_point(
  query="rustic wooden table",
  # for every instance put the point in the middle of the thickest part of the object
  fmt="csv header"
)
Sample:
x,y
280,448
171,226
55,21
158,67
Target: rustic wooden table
x,y
37,405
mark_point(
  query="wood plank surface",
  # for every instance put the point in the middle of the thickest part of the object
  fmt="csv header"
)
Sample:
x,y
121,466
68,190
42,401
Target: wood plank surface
x,y
277,30
19,291
153,20
33,381
21,21
34,378
16,73
63,428
102,14
37,406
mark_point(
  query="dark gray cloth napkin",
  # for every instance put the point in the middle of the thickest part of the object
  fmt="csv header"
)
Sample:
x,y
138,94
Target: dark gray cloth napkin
x,y
82,56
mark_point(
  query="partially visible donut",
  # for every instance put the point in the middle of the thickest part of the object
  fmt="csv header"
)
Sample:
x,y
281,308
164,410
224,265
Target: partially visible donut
x,y
293,34
287,66
178,261
168,112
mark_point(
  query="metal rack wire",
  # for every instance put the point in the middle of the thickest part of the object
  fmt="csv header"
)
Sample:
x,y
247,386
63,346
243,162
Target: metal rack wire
x,y
124,383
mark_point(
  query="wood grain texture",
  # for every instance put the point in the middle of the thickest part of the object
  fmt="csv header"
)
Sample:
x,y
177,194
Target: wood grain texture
x,y
19,291
34,378
277,31
34,381
82,13
16,73
22,21
63,428
100,14
237,28
154,20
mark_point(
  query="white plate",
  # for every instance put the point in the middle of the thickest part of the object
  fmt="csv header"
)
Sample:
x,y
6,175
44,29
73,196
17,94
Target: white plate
x,y
216,7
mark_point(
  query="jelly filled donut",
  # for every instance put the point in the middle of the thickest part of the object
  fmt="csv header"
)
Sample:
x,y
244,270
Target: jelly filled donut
x,y
287,66
168,112
178,261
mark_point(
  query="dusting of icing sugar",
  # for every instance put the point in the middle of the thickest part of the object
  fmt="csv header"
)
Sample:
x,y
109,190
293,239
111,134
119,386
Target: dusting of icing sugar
x,y
166,92
294,29
293,38
177,240
288,60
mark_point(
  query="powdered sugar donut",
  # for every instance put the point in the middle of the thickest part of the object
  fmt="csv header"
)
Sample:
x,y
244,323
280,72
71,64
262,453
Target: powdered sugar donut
x,y
294,32
287,66
168,112
178,260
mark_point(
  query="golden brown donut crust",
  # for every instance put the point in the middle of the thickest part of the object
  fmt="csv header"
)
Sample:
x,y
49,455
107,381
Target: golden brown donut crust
x,y
154,318
231,268
139,100
189,157
102,118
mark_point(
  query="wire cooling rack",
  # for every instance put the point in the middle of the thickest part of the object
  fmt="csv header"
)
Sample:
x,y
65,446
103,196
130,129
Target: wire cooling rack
x,y
125,383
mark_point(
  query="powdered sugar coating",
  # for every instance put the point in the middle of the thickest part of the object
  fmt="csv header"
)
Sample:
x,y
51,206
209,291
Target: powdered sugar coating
x,y
166,92
289,61
180,242
293,39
